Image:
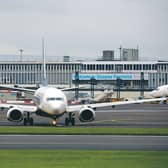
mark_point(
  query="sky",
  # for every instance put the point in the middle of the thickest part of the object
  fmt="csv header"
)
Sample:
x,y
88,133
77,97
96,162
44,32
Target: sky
x,y
84,28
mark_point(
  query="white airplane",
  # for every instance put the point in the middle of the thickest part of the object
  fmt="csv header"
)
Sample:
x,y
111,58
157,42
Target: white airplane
x,y
51,102
161,91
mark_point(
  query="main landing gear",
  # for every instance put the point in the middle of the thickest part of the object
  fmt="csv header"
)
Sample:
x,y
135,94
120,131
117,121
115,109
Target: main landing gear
x,y
28,120
70,119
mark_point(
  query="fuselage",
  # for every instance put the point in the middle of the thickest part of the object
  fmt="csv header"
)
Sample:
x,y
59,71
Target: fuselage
x,y
50,100
161,91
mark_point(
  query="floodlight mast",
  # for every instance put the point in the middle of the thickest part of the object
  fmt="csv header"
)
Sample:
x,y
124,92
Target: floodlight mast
x,y
21,54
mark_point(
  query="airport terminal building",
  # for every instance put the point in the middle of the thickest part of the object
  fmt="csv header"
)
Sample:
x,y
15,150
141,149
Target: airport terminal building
x,y
131,73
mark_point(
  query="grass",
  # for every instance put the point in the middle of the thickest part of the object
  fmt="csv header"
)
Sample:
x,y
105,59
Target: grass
x,y
82,130
82,159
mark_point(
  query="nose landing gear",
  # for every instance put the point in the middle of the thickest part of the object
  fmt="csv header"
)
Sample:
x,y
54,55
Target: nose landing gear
x,y
54,122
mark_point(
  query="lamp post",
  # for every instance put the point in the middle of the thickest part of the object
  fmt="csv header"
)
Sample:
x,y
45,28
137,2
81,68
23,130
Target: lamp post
x,y
142,83
118,85
92,83
77,85
21,54
120,52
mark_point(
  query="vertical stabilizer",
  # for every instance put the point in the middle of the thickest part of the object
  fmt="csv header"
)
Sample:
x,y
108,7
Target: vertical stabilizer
x,y
44,76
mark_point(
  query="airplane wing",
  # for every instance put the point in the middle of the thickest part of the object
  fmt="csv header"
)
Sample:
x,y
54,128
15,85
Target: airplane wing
x,y
25,108
70,89
74,108
31,90
18,88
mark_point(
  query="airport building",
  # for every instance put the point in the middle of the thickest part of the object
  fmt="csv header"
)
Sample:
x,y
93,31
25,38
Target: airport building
x,y
30,73
131,73
129,54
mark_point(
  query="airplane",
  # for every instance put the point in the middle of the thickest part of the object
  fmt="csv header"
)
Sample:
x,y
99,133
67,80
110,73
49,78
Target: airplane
x,y
52,102
161,91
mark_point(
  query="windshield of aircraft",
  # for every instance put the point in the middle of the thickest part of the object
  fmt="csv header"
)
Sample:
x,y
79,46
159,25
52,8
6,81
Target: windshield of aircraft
x,y
55,98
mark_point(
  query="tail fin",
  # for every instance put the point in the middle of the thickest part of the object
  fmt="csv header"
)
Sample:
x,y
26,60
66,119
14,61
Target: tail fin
x,y
44,81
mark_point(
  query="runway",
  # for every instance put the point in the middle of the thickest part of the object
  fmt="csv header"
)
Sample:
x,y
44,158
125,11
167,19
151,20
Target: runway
x,y
87,142
134,115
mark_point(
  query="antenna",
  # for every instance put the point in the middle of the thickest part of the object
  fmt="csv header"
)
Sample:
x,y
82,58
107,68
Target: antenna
x,y
44,76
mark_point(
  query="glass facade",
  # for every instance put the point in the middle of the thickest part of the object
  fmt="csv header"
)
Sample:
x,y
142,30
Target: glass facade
x,y
31,73
60,73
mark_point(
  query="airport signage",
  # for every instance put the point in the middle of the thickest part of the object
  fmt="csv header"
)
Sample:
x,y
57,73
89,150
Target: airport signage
x,y
104,76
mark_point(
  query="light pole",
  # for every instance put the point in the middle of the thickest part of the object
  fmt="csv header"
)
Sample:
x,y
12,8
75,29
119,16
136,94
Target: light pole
x,y
77,85
120,53
21,54
92,83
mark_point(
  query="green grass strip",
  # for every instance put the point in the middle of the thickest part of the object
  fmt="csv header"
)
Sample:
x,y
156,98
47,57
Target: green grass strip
x,y
82,159
82,130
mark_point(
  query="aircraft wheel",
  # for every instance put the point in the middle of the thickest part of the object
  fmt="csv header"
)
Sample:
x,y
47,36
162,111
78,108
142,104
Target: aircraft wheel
x,y
66,121
73,121
25,121
31,121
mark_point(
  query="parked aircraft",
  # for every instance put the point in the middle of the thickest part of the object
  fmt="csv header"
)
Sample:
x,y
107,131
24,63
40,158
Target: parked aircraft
x,y
161,91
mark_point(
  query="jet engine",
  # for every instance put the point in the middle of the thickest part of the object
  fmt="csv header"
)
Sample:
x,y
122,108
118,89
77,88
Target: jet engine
x,y
15,114
87,114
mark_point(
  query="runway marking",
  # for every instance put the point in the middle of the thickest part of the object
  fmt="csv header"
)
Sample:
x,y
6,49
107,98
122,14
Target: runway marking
x,y
130,111
103,121
116,136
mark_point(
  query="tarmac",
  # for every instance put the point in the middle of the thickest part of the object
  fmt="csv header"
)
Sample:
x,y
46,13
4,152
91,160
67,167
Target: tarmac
x,y
134,115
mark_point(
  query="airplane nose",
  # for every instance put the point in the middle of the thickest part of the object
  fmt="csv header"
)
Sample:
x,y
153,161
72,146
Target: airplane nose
x,y
57,108
152,93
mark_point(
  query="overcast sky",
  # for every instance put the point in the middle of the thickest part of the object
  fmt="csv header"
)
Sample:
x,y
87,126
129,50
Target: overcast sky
x,y
84,28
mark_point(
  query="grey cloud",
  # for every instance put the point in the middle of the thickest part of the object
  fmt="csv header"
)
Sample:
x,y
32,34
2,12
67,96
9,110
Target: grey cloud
x,y
85,27
42,6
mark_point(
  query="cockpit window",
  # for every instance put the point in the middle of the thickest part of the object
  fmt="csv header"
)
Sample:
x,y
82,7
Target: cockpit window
x,y
55,98
59,98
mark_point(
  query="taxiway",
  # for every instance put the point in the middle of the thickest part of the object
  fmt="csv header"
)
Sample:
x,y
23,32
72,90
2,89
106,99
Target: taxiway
x,y
135,115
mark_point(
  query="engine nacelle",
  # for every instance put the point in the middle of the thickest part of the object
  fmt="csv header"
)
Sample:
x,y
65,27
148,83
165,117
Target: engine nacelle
x,y
15,114
87,114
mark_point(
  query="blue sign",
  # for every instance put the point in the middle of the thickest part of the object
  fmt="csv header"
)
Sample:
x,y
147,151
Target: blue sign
x,y
104,76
